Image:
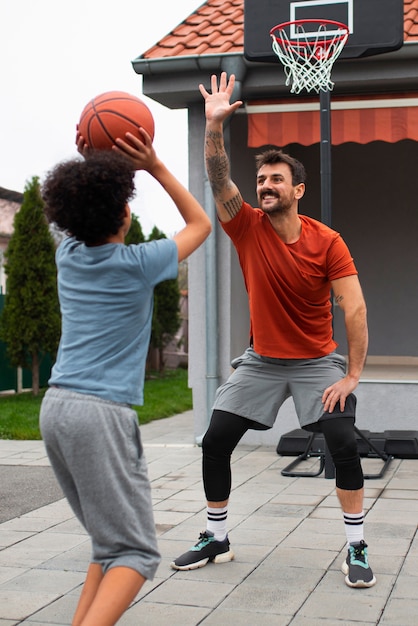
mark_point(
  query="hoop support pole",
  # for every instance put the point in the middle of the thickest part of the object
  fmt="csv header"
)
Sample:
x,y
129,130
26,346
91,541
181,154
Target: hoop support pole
x,y
326,202
325,154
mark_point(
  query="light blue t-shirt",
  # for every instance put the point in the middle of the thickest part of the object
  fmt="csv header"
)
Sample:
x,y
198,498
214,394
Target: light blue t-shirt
x,y
106,299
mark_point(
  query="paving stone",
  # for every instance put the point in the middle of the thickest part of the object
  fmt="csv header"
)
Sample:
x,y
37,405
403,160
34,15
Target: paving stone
x,y
400,612
245,618
18,604
287,534
45,581
156,614
191,592
358,605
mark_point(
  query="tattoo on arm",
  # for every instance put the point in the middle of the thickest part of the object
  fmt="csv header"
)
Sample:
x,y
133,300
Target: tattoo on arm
x,y
233,206
217,162
218,173
338,299
218,169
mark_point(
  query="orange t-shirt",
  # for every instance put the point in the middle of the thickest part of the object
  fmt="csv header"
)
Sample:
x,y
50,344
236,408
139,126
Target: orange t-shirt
x,y
289,285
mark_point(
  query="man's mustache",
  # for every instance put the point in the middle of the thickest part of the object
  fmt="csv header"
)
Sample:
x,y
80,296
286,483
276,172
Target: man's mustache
x,y
269,193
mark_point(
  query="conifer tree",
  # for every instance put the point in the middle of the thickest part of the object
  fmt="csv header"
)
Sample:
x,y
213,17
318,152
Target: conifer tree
x,y
135,234
30,323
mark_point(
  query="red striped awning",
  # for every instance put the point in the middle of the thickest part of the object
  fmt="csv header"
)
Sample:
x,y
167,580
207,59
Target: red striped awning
x,y
360,120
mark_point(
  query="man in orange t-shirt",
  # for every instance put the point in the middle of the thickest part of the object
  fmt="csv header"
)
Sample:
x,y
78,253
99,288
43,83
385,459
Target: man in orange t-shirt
x,y
290,263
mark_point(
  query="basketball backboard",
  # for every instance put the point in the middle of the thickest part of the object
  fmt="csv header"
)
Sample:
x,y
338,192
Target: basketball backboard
x,y
375,26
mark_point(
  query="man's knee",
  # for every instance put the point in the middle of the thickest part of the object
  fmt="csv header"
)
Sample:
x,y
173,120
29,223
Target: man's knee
x,y
223,434
213,444
348,470
342,443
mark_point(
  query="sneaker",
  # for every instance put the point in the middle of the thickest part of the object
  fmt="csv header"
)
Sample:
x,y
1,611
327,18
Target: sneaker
x,y
356,566
207,549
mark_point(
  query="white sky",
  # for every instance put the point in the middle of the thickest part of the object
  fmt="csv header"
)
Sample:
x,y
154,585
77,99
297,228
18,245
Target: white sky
x,y
54,57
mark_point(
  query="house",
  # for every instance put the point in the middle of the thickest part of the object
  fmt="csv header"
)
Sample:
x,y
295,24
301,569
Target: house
x,y
10,202
374,198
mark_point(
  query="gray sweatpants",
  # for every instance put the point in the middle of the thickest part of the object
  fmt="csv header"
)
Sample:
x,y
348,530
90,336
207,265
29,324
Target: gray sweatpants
x,y
95,449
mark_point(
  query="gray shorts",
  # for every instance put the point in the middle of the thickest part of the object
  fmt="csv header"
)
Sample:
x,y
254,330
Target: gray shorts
x,y
259,385
95,449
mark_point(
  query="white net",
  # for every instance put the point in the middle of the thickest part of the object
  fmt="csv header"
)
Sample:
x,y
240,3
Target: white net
x,y
308,58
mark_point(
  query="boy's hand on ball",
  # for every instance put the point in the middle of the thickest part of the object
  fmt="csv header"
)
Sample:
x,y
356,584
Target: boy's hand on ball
x,y
82,146
141,153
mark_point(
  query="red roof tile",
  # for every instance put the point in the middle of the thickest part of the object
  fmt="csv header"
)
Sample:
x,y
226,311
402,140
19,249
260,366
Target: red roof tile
x,y
217,26
411,20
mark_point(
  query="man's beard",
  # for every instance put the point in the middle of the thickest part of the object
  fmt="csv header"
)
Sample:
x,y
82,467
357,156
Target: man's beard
x,y
280,207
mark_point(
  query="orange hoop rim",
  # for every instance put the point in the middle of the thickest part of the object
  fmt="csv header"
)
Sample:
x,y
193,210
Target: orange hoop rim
x,y
333,37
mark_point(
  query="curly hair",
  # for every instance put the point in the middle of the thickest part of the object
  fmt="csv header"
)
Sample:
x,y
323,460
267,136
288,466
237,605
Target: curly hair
x,y
273,155
87,198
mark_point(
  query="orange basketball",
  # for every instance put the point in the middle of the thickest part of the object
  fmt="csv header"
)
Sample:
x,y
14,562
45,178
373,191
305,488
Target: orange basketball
x,y
111,115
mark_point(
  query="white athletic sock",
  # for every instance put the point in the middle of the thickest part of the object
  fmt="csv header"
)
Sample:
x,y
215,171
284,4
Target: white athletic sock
x,y
216,522
354,527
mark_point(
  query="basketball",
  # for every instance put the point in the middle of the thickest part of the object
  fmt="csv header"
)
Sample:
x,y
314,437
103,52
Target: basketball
x,y
111,115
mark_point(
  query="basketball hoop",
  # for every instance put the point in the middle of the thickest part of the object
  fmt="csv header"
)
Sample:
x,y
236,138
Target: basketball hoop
x,y
308,50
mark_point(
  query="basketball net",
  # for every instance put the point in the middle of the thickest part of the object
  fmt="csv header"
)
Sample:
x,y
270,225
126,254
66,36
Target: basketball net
x,y
308,57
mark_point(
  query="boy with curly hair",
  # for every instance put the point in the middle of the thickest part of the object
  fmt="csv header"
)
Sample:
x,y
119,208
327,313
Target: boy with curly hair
x,y
87,422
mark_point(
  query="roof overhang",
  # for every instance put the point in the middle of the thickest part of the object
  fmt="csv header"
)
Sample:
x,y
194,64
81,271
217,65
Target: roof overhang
x,y
174,81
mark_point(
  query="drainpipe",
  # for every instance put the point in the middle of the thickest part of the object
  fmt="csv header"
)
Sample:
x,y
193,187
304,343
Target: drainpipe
x,y
212,358
236,66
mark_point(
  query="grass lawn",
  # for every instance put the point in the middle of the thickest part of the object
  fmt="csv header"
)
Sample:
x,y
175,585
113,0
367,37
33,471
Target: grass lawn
x,y
164,395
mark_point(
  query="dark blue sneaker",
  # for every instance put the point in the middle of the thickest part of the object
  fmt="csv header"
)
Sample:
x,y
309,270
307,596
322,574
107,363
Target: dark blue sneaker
x,y
207,549
356,567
